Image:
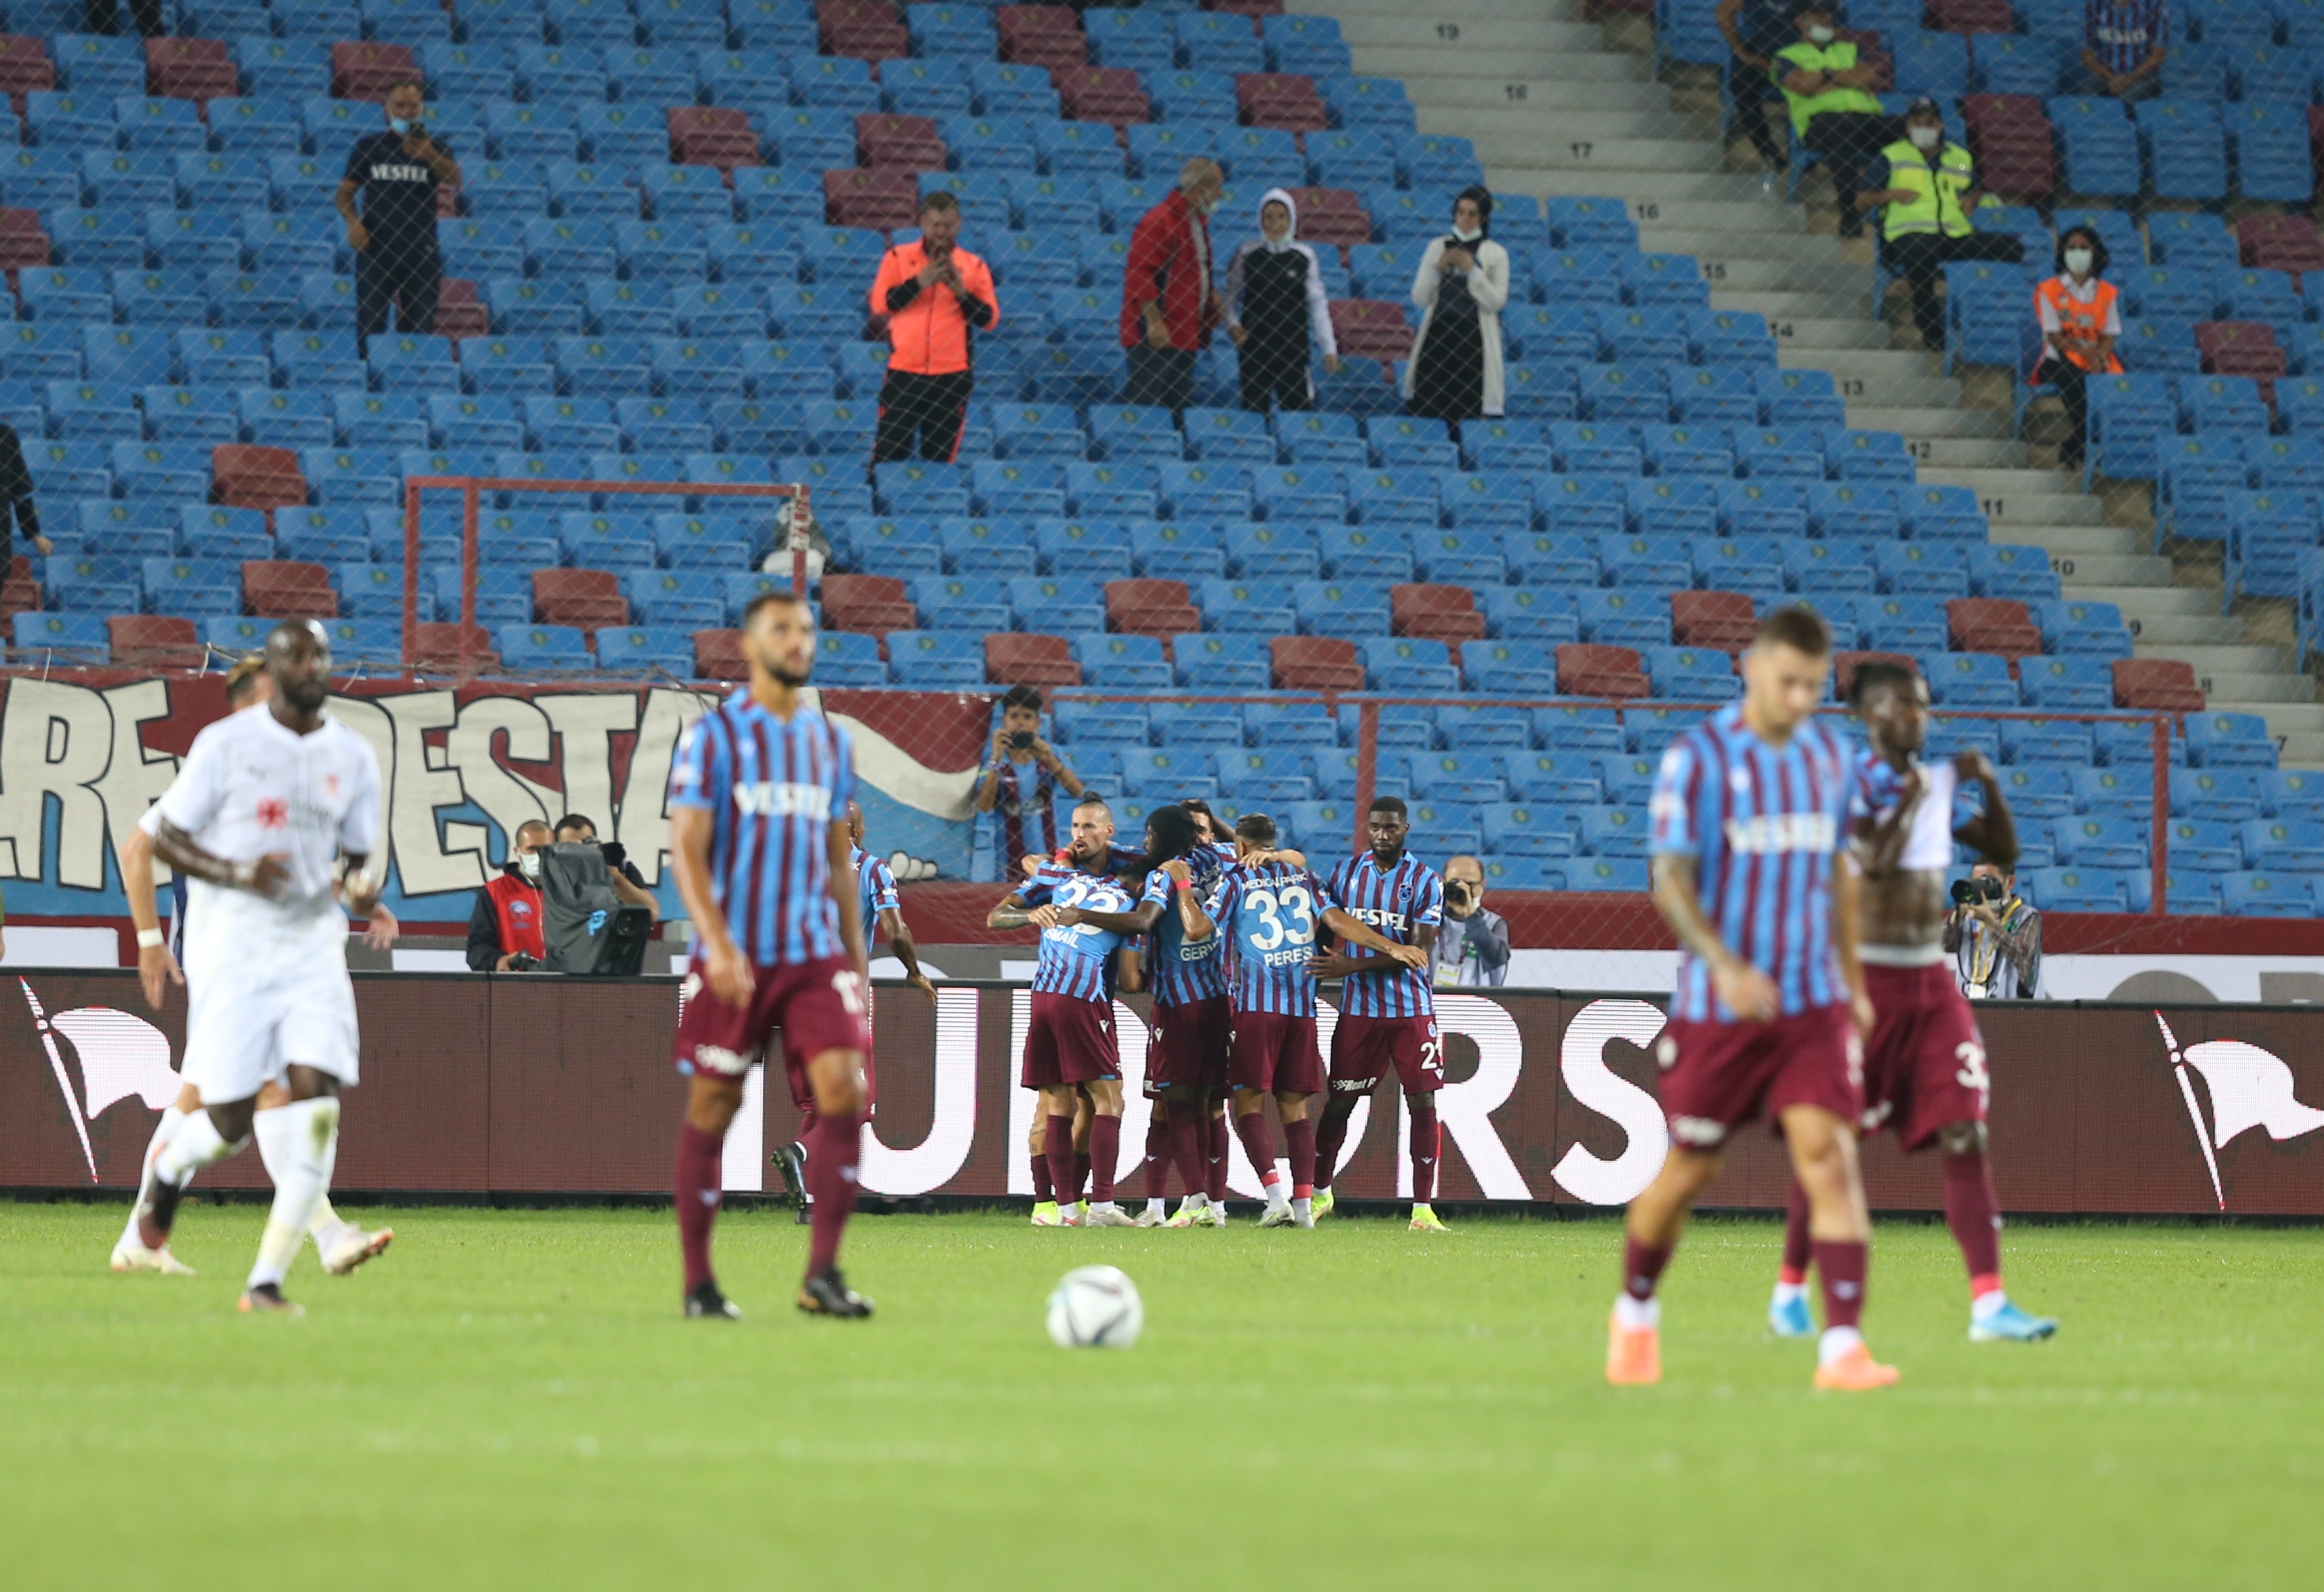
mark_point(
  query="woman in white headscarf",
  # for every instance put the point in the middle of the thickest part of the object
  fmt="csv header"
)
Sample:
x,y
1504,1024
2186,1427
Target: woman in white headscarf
x,y
1277,310
1455,371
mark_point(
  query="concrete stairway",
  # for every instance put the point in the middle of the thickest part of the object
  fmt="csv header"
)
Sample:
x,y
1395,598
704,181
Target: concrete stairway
x,y
1557,105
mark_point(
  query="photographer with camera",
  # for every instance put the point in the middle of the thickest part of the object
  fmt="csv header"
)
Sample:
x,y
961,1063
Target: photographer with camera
x,y
505,932
1022,778
629,884
1995,935
1472,944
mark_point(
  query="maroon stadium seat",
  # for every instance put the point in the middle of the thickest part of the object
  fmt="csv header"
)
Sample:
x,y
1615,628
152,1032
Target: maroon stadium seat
x,y
1043,36
1438,612
711,136
1586,670
245,476
1723,619
459,313
22,243
2015,146
1101,93
1316,663
1287,100
868,30
189,69
881,198
18,592
155,641
367,70
1972,16
1370,328
588,599
1146,607
2279,242
25,67
871,603
436,647
1333,215
718,655
1844,666
282,588
1011,659
911,142
1993,624
2156,684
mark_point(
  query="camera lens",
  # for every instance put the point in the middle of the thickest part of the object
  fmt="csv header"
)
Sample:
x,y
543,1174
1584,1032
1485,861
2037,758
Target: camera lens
x,y
1964,891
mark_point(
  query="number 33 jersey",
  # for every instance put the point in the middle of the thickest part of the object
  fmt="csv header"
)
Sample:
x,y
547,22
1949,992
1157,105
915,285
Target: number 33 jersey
x,y
1268,918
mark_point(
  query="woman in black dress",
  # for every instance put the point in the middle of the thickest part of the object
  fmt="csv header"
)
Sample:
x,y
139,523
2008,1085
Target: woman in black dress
x,y
1455,372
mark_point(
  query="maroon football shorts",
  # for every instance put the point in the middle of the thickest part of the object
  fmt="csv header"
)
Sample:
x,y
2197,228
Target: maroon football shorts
x,y
1069,1041
1925,1068
1364,1048
1274,1053
1717,1076
807,1007
1190,1046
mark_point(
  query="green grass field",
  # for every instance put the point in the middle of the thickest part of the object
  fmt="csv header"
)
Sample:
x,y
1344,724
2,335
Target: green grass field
x,y
508,1400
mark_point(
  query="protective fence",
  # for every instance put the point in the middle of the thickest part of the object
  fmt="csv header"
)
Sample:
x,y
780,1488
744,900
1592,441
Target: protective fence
x,y
1213,372
517,1087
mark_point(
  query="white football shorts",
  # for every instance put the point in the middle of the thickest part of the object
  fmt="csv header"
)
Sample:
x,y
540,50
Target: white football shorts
x,y
271,1005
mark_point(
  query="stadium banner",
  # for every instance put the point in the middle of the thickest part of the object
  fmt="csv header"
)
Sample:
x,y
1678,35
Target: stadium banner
x,y
539,1086
82,757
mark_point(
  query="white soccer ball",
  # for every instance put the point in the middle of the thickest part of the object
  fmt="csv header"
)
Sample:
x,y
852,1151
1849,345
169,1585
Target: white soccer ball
x,y
1095,1307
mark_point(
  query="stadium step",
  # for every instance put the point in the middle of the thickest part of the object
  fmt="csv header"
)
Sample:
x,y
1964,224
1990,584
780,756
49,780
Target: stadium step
x,y
2019,496
1554,94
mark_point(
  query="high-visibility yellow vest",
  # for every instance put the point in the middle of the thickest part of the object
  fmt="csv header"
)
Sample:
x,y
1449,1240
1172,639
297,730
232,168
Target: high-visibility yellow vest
x,y
1936,190
1837,57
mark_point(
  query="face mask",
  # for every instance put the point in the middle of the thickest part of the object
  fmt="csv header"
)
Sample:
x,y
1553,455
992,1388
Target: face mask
x,y
1819,34
2077,261
529,865
1926,138
1467,234
402,125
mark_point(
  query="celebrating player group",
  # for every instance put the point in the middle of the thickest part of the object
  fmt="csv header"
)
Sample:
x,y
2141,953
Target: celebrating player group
x,y
1804,877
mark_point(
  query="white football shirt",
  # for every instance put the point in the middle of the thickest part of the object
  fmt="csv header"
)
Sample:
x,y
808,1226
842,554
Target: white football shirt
x,y
252,787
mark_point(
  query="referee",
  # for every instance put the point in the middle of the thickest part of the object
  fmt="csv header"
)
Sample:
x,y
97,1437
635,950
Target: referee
x,y
931,293
397,173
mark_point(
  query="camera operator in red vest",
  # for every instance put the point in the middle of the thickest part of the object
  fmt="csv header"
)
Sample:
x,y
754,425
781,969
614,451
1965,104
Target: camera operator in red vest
x,y
504,933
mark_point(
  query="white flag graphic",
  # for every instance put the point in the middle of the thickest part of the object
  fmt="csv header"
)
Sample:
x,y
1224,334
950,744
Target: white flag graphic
x,y
2250,1087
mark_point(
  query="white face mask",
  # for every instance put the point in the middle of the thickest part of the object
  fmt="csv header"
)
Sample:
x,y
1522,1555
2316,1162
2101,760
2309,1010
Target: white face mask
x,y
1819,34
1467,234
529,865
1925,138
2077,261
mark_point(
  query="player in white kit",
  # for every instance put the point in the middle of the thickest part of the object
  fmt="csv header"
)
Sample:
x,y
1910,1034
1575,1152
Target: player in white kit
x,y
268,808
342,1244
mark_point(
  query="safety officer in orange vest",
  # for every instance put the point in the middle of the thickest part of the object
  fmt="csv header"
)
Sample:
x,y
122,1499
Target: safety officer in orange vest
x,y
2081,316
1925,202
932,294
504,931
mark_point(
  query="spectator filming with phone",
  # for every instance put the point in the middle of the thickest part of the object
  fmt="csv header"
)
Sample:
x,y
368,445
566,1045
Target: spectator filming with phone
x,y
1023,775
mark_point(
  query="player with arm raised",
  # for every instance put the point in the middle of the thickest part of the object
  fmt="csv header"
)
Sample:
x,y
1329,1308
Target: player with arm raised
x,y
1752,873
758,838
1267,912
1924,1071
341,1244
1387,1014
1070,1045
273,816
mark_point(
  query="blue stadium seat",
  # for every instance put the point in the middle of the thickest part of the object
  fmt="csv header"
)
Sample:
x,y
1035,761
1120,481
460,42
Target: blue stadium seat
x,y
2075,889
2258,894
2232,795
1969,680
1214,661
2066,684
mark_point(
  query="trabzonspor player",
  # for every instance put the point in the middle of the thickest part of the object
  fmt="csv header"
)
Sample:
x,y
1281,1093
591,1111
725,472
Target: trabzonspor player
x,y
1388,1013
1070,1042
1267,914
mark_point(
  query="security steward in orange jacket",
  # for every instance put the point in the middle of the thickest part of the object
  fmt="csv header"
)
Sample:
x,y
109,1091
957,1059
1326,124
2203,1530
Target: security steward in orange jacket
x,y
931,293
504,931
2081,318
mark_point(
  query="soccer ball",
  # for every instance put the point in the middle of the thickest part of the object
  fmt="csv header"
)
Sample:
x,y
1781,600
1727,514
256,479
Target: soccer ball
x,y
1095,1307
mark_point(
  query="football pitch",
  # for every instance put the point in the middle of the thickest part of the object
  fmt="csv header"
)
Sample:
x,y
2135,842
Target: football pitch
x,y
509,1400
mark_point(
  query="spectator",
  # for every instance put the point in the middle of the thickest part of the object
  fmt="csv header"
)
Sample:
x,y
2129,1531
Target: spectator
x,y
1454,371
2123,45
504,931
931,293
1023,778
1834,111
629,884
16,490
1275,295
1995,935
1925,200
2081,316
1472,946
1755,30
397,173
1168,305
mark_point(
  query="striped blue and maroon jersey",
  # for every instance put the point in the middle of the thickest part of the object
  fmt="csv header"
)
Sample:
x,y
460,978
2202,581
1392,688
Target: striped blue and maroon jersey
x,y
1396,902
877,885
1267,916
772,789
1178,970
1762,823
1077,961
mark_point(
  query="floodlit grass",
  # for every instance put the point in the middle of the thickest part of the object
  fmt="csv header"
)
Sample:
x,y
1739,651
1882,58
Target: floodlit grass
x,y
509,1400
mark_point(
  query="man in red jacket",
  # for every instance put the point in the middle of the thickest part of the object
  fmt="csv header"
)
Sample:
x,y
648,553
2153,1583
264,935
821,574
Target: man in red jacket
x,y
1168,305
504,931
933,295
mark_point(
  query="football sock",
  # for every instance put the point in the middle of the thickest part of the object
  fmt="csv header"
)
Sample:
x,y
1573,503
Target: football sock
x,y
1642,1268
1214,1141
1057,1141
1427,1137
1187,1138
701,1183
195,1145
1795,1237
1081,1169
1104,1155
1330,1134
1045,1190
1973,1214
1841,1268
1255,1144
1299,1140
1157,1155
164,1131
296,1142
830,1180
1157,1206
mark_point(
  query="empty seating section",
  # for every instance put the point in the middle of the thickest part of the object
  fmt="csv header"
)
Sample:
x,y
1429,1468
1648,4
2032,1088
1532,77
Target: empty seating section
x,y
657,263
